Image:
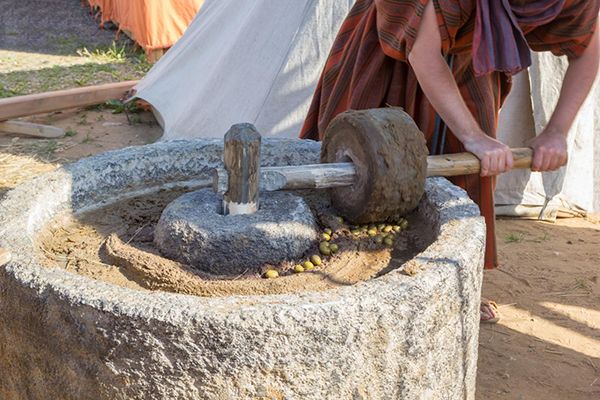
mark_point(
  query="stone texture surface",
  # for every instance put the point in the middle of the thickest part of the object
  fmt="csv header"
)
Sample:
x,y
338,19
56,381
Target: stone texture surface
x,y
70,337
193,230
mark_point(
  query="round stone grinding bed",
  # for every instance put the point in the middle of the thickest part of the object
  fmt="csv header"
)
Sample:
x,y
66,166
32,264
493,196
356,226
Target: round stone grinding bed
x,y
410,333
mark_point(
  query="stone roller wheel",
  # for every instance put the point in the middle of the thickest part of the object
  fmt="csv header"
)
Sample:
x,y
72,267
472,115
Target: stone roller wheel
x,y
390,157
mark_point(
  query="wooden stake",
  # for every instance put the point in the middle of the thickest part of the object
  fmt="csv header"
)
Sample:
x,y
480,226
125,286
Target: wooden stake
x,y
5,256
31,129
242,163
21,106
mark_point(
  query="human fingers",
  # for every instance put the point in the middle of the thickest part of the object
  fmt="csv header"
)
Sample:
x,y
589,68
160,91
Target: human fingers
x,y
501,162
538,158
546,159
494,159
510,160
485,165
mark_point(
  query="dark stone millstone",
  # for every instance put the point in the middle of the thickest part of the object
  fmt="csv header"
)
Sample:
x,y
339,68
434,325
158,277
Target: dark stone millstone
x,y
193,230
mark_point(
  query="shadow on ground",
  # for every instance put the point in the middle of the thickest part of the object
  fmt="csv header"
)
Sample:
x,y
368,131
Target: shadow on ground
x,y
547,344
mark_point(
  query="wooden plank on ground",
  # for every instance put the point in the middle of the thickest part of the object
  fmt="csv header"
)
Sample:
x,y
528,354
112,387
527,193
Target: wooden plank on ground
x,y
32,104
5,256
31,129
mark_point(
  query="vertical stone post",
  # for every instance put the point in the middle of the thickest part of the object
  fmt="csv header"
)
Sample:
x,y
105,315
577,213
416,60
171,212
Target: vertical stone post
x,y
242,163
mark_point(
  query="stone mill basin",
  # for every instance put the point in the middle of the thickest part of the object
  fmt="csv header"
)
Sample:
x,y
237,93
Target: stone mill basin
x,y
408,333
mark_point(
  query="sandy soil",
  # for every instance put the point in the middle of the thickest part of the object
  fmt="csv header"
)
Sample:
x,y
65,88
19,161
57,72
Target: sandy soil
x,y
547,344
115,244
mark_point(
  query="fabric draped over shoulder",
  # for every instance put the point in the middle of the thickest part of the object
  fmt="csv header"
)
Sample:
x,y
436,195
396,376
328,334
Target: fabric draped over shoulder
x,y
398,23
368,68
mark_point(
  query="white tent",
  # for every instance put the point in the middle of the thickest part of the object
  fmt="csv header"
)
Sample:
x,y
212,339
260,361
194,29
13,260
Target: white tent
x,y
259,61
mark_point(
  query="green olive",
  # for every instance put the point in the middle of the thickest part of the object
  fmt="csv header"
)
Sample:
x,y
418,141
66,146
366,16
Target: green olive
x,y
333,247
372,227
355,232
379,239
381,227
388,228
363,228
388,242
308,265
328,231
372,232
316,260
271,274
326,237
397,228
404,224
340,220
324,248
298,269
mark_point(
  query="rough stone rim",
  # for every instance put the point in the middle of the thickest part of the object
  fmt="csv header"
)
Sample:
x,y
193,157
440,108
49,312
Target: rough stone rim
x,y
20,214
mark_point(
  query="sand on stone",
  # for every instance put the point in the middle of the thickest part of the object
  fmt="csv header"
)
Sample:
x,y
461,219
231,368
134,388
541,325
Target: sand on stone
x,y
115,244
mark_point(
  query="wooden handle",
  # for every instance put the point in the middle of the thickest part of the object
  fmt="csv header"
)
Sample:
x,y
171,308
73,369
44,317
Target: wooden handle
x,y
4,256
467,163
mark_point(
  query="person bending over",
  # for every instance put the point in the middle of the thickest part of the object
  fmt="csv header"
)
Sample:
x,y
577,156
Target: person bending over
x,y
449,64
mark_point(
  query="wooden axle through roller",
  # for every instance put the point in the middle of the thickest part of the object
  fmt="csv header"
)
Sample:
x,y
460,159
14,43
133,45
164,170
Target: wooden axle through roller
x,y
325,176
374,163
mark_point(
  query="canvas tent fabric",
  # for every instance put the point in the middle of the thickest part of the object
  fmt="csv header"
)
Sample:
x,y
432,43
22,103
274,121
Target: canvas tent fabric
x,y
259,62
525,113
155,24
244,61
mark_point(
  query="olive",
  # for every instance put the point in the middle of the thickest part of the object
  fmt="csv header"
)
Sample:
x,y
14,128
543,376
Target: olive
x,y
308,265
340,220
372,232
298,269
388,241
371,227
355,232
363,228
328,231
271,274
379,239
381,227
404,224
316,260
326,237
388,228
324,248
397,228
333,247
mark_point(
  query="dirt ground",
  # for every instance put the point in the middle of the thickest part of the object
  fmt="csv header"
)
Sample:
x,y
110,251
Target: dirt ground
x,y
547,344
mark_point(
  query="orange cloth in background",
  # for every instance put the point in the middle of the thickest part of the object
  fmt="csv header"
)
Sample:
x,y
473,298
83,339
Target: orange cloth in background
x,y
154,24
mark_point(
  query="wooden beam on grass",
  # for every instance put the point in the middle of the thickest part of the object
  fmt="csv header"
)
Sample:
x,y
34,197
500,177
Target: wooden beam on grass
x,y
5,256
31,129
32,104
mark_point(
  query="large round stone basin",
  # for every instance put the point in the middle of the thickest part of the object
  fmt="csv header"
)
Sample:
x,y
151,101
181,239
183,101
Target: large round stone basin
x,y
409,334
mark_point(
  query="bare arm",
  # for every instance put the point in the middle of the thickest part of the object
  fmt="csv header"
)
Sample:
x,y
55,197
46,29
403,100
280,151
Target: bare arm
x,y
441,89
550,147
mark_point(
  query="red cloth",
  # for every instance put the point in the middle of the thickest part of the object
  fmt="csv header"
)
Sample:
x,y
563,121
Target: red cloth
x,y
367,68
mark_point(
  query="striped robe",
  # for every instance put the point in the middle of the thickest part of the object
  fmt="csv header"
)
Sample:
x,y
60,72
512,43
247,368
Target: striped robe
x,y
367,68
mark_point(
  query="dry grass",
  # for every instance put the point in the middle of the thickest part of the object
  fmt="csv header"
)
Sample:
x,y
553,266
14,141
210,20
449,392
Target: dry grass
x,y
15,169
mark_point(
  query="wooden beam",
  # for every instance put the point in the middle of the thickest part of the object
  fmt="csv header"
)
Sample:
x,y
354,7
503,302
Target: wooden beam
x,y
21,106
5,256
31,129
